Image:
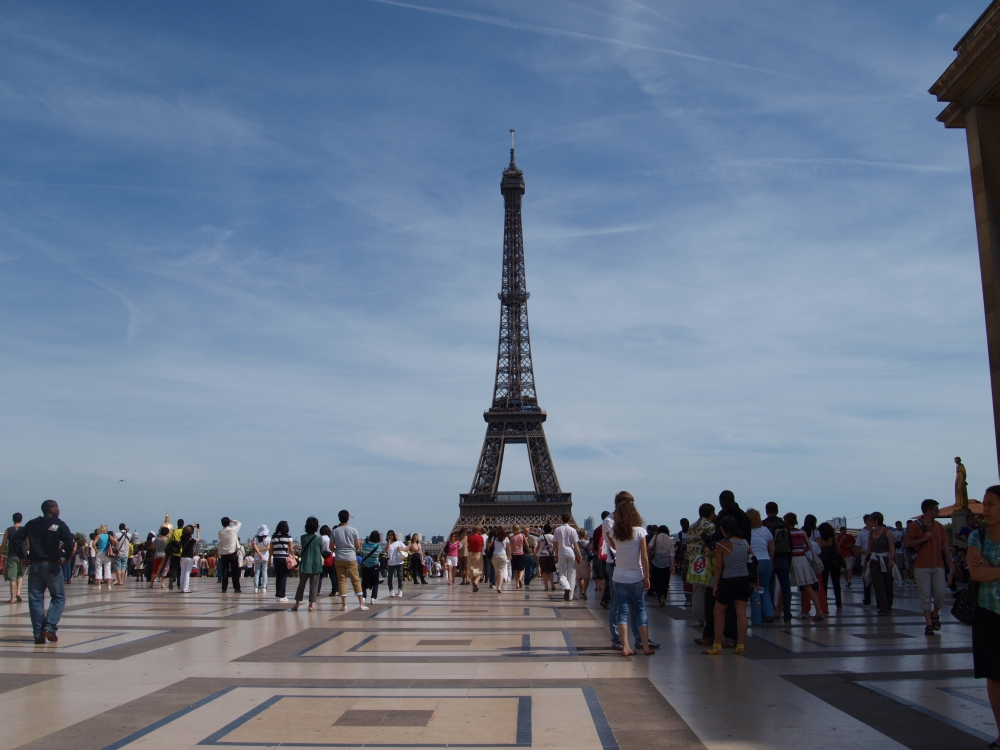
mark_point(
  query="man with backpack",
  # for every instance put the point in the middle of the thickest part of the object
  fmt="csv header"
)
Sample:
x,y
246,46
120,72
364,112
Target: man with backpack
x,y
930,541
781,561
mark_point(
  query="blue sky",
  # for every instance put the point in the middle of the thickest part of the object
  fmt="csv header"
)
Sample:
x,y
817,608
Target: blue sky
x,y
249,256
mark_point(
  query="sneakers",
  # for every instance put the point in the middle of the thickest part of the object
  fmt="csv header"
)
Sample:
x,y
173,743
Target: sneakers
x,y
374,602
566,595
283,599
39,640
256,590
363,608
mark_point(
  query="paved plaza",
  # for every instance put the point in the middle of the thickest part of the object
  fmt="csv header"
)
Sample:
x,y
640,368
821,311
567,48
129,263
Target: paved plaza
x,y
443,667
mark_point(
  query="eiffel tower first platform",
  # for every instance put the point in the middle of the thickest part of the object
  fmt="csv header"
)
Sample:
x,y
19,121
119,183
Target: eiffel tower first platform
x,y
514,416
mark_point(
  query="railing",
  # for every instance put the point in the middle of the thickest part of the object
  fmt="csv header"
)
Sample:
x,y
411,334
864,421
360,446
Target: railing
x,y
517,497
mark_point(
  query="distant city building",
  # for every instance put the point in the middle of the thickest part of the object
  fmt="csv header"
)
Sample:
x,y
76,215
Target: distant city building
x,y
437,540
588,524
838,521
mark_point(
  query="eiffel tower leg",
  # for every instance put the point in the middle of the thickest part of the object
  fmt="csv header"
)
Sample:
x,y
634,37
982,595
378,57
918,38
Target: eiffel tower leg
x,y
542,469
490,461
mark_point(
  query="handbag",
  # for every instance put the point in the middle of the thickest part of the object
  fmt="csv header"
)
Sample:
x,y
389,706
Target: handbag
x,y
756,608
966,603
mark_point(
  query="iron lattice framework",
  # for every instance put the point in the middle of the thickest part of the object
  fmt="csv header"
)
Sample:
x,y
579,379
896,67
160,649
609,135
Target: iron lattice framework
x,y
514,416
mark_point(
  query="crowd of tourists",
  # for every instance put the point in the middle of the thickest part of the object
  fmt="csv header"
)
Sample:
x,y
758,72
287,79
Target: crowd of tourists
x,y
736,567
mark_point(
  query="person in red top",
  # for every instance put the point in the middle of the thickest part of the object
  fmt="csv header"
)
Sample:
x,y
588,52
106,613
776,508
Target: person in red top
x,y
451,550
475,543
845,546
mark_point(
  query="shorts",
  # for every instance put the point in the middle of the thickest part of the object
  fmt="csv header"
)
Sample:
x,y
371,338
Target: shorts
x,y
120,563
734,590
547,564
13,569
451,562
600,569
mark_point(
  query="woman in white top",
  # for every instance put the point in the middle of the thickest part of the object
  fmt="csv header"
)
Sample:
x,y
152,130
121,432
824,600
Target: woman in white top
x,y
660,548
395,560
501,557
631,577
261,544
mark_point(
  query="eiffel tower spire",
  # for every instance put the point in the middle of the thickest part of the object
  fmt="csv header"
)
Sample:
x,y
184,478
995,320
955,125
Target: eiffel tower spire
x,y
514,415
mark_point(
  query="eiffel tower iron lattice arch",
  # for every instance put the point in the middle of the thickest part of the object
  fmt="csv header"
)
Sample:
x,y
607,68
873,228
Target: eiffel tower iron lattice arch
x,y
514,416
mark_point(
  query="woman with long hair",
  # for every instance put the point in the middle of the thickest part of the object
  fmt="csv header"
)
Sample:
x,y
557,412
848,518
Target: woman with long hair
x,y
394,551
660,547
159,556
451,550
280,549
516,544
311,566
501,557
762,545
631,576
583,565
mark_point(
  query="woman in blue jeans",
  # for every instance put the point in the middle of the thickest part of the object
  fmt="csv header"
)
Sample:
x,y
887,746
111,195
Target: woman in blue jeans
x,y
762,544
631,576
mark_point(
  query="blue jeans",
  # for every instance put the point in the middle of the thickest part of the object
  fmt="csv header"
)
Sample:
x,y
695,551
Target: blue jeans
x,y
529,569
42,576
67,570
613,610
260,574
781,567
630,606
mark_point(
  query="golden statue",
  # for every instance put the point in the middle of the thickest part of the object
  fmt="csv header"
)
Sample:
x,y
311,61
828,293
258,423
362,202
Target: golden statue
x,y
166,522
961,485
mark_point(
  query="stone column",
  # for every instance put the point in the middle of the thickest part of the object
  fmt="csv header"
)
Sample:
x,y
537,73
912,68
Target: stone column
x,y
982,128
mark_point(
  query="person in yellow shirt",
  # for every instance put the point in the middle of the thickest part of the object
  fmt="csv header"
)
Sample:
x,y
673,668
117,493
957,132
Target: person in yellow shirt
x,y
174,552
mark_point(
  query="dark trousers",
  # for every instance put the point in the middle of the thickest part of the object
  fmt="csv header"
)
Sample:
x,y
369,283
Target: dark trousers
x,y
780,567
609,566
174,574
330,573
396,570
313,581
369,581
834,574
882,583
230,568
659,584
280,576
417,568
729,631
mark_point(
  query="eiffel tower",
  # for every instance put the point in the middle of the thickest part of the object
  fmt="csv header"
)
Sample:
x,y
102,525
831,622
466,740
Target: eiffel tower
x,y
514,416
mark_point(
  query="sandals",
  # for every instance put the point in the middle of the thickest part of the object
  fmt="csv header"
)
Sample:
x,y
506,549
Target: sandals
x,y
716,650
741,650
936,622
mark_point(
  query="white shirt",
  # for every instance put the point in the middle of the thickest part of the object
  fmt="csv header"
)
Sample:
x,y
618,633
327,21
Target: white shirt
x,y
229,538
265,546
395,558
862,542
628,557
758,542
565,537
501,549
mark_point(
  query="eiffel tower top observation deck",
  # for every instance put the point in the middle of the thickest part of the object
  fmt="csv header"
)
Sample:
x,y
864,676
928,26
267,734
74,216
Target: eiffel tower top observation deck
x,y
514,416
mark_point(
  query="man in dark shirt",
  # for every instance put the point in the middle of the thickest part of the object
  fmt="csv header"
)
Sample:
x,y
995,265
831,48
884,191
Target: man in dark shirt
x,y
729,507
781,561
49,544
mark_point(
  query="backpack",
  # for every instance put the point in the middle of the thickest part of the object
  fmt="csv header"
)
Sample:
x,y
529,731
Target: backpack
x,y
782,539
